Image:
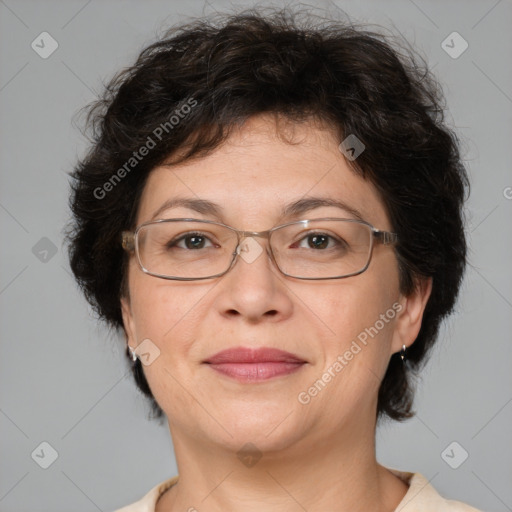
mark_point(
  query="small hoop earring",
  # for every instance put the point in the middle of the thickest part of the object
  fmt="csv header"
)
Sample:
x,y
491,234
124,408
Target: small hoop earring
x,y
132,353
402,353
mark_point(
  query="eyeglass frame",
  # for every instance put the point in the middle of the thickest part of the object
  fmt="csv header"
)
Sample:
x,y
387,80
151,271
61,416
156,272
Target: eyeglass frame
x,y
129,242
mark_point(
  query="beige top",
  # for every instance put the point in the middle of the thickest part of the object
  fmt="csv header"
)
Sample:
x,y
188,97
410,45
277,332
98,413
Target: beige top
x,y
421,497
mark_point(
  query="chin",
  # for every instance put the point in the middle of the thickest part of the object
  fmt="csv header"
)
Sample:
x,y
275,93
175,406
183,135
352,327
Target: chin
x,y
272,428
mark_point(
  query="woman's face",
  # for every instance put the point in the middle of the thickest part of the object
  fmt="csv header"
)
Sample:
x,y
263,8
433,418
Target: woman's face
x,y
251,178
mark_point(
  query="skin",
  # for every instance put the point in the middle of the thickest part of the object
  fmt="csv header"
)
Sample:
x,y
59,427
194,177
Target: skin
x,y
319,456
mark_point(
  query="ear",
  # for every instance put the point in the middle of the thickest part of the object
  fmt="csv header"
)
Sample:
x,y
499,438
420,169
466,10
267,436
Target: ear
x,y
129,322
408,323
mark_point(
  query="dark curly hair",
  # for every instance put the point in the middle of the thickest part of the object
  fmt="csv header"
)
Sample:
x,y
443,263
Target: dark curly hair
x,y
212,74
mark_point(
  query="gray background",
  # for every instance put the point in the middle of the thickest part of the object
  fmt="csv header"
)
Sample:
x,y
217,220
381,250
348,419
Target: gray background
x,y
64,378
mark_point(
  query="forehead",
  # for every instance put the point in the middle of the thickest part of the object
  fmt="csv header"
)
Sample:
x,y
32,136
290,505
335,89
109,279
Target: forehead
x,y
259,170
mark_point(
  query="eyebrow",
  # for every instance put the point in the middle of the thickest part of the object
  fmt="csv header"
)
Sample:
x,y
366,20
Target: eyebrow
x,y
310,203
296,208
202,206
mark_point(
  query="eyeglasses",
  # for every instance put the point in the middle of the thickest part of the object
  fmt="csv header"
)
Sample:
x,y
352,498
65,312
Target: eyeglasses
x,y
192,249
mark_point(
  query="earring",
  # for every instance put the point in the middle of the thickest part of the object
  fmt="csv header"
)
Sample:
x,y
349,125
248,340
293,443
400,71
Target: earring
x,y
402,353
133,353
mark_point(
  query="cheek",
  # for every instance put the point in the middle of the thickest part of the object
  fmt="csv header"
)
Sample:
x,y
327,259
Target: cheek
x,y
170,315
158,307
355,357
152,313
349,310
162,314
360,315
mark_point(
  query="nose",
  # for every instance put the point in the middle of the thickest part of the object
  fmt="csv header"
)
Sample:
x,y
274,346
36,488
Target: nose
x,y
254,289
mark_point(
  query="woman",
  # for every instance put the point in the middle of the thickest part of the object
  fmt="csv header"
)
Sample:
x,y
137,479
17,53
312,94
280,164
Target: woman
x,y
271,212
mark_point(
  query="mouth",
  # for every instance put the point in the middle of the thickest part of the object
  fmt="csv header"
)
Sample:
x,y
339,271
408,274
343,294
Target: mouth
x,y
254,365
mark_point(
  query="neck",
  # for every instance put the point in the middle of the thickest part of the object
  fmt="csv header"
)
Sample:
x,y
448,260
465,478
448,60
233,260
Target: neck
x,y
339,473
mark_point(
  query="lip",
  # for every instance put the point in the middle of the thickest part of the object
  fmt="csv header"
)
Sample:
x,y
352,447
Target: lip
x,y
253,365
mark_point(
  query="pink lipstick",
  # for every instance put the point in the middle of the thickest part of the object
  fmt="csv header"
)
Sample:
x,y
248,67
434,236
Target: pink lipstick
x,y
254,365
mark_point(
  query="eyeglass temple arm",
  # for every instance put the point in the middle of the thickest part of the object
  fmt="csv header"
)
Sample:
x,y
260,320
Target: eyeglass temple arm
x,y
385,237
127,240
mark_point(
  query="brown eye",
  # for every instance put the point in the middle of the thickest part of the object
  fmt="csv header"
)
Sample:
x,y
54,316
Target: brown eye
x,y
318,241
190,241
194,242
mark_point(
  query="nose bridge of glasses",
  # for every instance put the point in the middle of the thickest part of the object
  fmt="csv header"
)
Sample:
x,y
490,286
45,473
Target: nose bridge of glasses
x,y
244,235
250,234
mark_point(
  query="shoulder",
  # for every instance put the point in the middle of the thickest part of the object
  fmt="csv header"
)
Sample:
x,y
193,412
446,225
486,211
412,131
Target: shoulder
x,y
148,502
422,497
